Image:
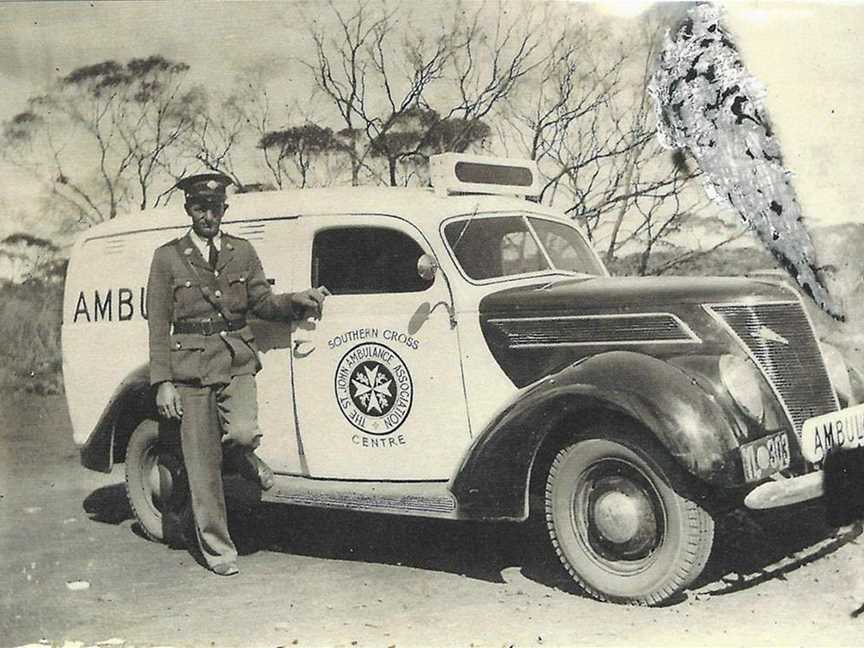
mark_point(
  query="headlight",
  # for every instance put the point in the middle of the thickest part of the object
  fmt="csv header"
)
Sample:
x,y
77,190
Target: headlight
x,y
744,384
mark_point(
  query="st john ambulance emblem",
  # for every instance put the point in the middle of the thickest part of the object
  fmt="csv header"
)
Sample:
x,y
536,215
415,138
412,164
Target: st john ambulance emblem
x,y
374,388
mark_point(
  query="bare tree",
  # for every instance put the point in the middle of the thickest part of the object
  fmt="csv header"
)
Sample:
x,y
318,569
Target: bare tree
x,y
489,62
128,118
218,134
400,93
298,146
418,133
585,116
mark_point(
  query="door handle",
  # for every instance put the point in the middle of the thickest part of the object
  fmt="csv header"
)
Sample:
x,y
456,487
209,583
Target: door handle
x,y
303,348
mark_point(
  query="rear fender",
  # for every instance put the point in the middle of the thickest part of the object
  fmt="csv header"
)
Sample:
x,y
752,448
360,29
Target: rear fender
x,y
493,479
130,402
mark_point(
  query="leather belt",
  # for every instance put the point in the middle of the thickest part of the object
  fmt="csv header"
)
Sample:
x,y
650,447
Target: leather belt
x,y
209,327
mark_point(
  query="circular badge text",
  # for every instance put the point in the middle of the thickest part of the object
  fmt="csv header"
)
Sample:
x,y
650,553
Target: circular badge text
x,y
374,388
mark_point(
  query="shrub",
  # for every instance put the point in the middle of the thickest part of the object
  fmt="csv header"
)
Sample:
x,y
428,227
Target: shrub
x,y
30,319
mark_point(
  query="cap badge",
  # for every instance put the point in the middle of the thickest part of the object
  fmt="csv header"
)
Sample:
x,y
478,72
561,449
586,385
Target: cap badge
x,y
212,184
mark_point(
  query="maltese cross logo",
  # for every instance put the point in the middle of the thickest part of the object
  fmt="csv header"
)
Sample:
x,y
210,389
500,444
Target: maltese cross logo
x,y
372,388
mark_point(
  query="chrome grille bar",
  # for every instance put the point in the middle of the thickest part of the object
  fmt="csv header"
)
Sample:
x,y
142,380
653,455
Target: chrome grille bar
x,y
779,338
580,330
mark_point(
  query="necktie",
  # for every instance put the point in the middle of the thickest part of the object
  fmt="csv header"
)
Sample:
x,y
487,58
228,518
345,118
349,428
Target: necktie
x,y
212,254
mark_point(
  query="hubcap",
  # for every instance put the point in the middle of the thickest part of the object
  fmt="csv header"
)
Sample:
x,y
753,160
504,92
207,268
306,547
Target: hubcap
x,y
617,516
624,515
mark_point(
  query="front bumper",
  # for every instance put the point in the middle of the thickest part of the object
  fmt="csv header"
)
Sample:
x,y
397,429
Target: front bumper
x,y
783,492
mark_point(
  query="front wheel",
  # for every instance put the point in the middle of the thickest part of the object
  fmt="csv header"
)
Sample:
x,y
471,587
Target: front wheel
x,y
620,528
156,483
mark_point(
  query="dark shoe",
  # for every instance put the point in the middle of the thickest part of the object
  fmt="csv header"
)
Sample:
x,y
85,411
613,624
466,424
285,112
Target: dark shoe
x,y
253,468
225,569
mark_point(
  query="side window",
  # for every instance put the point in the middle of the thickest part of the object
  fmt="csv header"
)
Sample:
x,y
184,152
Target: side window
x,y
366,260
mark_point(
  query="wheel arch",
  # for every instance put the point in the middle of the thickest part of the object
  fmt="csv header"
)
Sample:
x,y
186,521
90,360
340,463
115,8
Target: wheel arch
x,y
131,402
568,429
494,479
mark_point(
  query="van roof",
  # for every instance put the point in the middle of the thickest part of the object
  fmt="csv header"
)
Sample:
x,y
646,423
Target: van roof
x,y
421,206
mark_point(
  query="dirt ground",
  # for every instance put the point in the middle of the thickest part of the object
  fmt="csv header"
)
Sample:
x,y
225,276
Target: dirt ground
x,y
76,572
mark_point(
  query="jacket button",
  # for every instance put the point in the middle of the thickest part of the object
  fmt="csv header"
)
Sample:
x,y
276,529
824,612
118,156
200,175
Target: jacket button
x,y
215,273
242,279
223,333
218,293
188,284
178,345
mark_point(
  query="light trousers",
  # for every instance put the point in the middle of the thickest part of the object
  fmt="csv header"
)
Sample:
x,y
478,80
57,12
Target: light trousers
x,y
215,416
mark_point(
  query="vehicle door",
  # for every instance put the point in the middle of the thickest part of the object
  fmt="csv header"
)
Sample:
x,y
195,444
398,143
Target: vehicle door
x,y
378,380
273,239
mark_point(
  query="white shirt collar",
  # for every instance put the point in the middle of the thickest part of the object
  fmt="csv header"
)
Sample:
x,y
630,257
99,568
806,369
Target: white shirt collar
x,y
201,242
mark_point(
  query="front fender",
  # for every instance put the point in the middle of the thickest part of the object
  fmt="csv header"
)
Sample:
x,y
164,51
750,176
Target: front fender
x,y
493,478
132,399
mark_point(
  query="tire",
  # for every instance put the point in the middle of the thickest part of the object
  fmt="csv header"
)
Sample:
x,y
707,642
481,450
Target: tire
x,y
156,484
620,521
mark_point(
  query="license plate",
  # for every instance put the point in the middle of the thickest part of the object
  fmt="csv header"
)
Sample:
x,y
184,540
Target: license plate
x,y
834,431
765,456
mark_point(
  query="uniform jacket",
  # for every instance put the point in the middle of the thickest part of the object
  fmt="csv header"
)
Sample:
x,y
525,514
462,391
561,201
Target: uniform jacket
x,y
178,291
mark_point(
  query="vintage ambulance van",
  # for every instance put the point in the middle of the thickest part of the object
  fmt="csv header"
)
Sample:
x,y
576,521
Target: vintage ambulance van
x,y
476,361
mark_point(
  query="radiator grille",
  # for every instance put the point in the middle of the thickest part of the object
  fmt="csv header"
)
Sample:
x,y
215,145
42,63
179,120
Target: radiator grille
x,y
780,340
594,329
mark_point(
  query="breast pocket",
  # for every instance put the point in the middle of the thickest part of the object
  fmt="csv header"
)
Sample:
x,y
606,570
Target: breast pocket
x,y
187,295
186,354
238,295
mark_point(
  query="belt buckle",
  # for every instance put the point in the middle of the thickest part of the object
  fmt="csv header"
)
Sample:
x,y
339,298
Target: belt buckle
x,y
207,327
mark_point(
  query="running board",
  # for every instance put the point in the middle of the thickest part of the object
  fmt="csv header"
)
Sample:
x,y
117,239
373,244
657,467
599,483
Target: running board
x,y
423,499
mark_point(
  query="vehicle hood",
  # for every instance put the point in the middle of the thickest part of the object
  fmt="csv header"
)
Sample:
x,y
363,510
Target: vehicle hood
x,y
621,294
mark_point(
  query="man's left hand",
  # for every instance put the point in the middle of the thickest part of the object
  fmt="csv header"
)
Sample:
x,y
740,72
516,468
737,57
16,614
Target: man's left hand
x,y
312,300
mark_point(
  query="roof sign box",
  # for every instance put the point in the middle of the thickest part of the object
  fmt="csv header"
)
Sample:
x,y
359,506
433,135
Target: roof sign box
x,y
459,173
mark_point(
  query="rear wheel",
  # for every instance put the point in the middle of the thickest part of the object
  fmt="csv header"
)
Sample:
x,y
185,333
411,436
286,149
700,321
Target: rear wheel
x,y
617,522
156,483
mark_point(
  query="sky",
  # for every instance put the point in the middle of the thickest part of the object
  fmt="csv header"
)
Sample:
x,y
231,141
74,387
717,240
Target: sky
x,y
805,54
808,57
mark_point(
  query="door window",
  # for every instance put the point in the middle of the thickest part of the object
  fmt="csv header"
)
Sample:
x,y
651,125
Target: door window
x,y
366,260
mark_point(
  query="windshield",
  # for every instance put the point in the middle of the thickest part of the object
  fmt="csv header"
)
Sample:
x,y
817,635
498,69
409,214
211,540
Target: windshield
x,y
503,246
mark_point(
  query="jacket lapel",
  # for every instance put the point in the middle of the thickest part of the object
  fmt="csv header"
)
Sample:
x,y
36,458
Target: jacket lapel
x,y
226,254
191,252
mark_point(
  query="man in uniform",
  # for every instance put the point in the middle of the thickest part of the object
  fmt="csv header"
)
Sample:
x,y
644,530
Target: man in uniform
x,y
203,356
